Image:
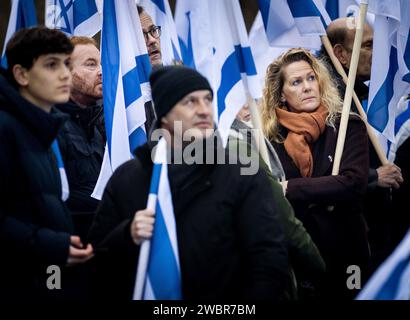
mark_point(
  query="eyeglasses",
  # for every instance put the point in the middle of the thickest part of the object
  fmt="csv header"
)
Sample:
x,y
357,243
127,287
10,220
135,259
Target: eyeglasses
x,y
154,32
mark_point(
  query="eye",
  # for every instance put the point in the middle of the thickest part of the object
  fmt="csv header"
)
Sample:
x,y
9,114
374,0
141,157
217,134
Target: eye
x,y
295,82
189,101
312,78
51,65
208,99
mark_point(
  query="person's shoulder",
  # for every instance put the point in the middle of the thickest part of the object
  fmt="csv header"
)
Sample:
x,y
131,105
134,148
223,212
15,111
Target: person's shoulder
x,y
8,121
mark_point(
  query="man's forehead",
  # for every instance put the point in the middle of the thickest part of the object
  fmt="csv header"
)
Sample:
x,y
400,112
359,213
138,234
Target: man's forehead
x,y
146,21
367,34
85,51
198,94
58,56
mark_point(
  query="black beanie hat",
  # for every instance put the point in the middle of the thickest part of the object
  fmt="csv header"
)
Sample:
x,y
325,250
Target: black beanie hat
x,y
170,84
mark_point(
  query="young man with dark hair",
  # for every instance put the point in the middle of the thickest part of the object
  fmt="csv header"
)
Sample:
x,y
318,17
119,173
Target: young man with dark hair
x,y
36,229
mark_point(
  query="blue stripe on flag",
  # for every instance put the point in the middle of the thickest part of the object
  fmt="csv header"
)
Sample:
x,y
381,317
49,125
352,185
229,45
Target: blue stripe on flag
x,y
110,57
56,150
406,58
137,75
26,15
82,10
401,119
332,8
137,138
160,4
64,14
389,289
240,61
378,113
163,270
156,173
245,60
186,50
264,7
144,67
175,51
305,8
131,91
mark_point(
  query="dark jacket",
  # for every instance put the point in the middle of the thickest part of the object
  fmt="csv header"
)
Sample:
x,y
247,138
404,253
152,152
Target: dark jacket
x,y
304,257
82,146
377,201
340,234
35,225
230,241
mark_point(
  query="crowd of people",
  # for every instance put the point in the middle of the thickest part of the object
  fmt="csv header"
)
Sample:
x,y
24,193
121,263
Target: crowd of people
x,y
289,231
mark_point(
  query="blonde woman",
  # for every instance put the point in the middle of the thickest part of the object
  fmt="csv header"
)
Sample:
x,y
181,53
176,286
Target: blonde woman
x,y
301,113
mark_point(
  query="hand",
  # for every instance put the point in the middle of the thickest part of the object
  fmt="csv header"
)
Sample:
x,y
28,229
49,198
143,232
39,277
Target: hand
x,y
142,225
77,253
389,175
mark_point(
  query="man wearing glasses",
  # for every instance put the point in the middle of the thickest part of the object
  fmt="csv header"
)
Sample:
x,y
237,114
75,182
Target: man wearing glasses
x,y
152,35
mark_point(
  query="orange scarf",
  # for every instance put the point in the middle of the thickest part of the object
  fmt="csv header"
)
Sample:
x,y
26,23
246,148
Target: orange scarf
x,y
303,130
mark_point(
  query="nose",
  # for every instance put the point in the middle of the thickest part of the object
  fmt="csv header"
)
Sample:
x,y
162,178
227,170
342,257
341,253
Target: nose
x,y
149,39
307,86
99,71
65,73
205,108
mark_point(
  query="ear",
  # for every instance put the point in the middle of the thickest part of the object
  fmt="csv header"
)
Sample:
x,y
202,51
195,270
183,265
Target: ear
x,y
340,54
20,75
164,122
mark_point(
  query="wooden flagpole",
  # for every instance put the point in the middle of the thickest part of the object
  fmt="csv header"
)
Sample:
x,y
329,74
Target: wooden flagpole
x,y
349,88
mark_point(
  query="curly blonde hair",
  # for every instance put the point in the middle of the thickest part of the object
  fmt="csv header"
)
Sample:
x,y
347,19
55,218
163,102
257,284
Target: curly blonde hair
x,y
274,81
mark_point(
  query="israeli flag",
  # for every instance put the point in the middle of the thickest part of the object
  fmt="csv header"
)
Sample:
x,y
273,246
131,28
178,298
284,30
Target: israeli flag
x,y
401,127
346,8
22,15
73,17
390,76
262,52
391,281
64,181
126,68
161,14
294,23
158,275
216,43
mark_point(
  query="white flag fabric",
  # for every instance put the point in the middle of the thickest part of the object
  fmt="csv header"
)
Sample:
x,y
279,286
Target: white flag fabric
x,y
294,23
22,15
214,41
263,53
158,274
161,14
126,68
391,281
73,17
346,8
390,76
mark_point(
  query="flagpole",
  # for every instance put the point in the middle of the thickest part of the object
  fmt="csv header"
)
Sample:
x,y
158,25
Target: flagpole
x,y
349,88
257,125
143,257
336,63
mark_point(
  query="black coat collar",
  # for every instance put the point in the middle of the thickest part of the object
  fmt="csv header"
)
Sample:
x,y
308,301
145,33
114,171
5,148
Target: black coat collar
x,y
43,125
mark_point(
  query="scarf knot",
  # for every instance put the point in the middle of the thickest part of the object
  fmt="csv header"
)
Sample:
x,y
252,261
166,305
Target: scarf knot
x,y
303,130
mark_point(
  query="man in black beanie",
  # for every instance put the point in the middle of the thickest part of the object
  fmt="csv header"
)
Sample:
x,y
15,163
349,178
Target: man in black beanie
x,y
230,241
